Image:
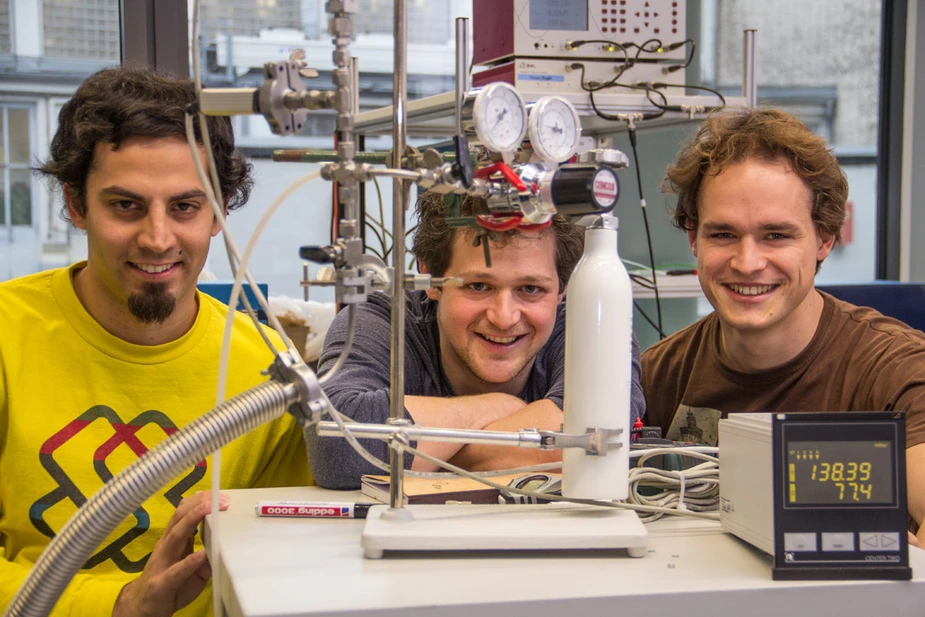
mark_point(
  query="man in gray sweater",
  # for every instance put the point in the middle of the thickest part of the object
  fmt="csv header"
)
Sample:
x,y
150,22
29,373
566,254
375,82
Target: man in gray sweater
x,y
489,354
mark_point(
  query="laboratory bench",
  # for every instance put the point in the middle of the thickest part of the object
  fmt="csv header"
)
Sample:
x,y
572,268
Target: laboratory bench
x,y
297,566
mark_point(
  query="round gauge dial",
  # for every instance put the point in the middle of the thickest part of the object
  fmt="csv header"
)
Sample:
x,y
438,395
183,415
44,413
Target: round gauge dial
x,y
555,129
500,117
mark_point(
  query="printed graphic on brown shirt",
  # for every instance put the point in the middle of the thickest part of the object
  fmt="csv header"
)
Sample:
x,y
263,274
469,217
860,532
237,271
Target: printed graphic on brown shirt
x,y
695,424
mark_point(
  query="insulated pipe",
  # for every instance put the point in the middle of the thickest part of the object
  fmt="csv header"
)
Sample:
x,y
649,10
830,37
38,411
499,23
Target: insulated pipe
x,y
399,198
71,547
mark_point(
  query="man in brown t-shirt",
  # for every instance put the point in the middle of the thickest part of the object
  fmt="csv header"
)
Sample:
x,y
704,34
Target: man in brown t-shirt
x,y
762,201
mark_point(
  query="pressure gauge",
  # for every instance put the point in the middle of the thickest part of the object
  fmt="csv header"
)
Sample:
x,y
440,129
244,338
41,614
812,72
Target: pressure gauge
x,y
497,115
554,129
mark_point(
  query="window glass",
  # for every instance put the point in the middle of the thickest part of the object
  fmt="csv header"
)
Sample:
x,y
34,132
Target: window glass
x,y
5,41
247,17
19,127
820,61
20,197
15,174
428,22
82,29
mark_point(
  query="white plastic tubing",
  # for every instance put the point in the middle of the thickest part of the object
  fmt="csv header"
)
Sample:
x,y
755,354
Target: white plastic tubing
x,y
102,513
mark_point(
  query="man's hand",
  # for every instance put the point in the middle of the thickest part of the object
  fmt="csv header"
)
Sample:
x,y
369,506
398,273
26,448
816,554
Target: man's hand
x,y
174,575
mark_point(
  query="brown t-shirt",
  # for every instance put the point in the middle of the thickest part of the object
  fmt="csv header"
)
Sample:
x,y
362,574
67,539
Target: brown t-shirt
x,y
858,360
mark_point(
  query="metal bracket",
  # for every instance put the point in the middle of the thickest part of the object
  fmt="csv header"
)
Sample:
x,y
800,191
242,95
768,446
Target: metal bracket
x,y
596,442
311,403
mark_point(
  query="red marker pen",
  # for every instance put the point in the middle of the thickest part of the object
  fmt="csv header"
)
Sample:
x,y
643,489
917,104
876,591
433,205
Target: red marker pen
x,y
312,509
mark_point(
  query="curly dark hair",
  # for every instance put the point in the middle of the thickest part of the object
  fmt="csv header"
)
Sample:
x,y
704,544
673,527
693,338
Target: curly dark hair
x,y
118,103
729,137
433,240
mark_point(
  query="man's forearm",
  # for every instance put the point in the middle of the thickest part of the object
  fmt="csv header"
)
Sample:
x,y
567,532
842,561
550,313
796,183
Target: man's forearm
x,y
462,412
543,415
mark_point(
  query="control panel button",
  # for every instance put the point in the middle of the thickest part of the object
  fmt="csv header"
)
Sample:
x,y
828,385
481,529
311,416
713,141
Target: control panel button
x,y
879,541
800,542
838,541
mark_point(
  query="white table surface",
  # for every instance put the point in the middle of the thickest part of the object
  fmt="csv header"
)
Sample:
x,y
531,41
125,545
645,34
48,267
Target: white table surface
x,y
285,566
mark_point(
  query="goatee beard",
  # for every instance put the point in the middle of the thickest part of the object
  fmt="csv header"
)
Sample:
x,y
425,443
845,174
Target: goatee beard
x,y
153,304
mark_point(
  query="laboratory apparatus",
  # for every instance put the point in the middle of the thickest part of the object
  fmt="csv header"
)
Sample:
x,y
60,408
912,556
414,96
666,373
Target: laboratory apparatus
x,y
554,129
824,493
519,195
538,45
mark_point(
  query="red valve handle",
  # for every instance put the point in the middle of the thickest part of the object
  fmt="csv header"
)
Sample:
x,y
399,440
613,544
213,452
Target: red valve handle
x,y
505,171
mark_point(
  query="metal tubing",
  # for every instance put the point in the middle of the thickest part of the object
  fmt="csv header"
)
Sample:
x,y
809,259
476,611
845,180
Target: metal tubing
x,y
355,82
397,378
462,67
328,156
749,82
341,26
527,439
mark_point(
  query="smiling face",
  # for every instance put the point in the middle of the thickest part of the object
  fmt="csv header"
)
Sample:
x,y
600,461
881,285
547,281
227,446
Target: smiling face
x,y
148,230
493,326
757,248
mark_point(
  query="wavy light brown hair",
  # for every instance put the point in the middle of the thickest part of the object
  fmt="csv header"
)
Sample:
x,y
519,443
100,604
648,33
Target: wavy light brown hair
x,y
729,137
433,240
115,104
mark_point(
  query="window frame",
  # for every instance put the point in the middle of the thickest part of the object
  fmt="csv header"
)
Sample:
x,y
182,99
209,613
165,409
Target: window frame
x,y
6,166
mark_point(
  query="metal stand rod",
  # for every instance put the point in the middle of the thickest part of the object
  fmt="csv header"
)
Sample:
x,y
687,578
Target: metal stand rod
x,y
749,81
399,198
462,67
355,83
524,438
595,441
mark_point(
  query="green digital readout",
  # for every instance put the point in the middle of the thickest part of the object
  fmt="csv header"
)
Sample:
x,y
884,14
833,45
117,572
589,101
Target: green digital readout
x,y
839,472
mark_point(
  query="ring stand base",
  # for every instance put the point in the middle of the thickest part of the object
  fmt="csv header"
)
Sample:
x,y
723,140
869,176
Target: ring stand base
x,y
555,526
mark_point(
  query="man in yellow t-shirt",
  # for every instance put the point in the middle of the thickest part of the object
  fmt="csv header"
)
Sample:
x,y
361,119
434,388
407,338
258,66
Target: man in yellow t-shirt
x,y
101,361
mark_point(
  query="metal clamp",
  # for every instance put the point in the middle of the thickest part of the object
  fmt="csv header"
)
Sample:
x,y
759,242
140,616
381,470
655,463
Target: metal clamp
x,y
311,404
596,442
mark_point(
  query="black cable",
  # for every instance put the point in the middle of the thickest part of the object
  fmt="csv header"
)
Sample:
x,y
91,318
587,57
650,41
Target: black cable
x,y
642,281
645,219
632,133
657,86
661,334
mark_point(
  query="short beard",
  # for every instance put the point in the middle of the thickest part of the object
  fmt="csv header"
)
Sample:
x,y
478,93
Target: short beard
x,y
153,304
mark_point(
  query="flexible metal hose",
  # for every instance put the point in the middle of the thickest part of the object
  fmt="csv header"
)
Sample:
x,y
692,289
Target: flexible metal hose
x,y
108,507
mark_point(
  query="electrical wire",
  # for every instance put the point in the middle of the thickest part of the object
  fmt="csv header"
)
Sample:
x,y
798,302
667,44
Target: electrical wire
x,y
664,106
659,326
645,316
697,478
212,190
645,219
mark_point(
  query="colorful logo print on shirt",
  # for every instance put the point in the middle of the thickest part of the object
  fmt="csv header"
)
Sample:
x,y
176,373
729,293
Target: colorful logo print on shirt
x,y
123,433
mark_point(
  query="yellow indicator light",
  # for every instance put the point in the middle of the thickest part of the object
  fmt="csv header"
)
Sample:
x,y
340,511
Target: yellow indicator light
x,y
793,472
793,492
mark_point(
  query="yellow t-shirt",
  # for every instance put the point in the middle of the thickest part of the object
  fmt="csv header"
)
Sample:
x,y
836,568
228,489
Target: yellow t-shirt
x,y
77,405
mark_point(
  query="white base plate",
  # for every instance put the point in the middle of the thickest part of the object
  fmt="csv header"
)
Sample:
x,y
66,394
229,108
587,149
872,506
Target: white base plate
x,y
554,526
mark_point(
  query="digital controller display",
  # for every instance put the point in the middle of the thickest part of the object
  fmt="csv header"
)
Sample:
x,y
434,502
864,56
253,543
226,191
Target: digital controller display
x,y
840,473
559,15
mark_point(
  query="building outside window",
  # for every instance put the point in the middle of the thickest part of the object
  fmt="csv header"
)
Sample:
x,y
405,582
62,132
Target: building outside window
x,y
6,44
81,29
15,160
